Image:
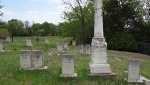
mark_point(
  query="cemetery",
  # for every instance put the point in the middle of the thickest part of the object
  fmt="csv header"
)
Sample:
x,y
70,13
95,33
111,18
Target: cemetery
x,y
38,59
70,64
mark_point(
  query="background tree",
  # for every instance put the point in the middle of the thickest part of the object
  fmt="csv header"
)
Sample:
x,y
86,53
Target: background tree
x,y
79,21
121,17
48,29
15,27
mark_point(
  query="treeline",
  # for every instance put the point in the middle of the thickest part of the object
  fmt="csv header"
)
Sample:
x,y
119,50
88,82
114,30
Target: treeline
x,y
18,28
124,27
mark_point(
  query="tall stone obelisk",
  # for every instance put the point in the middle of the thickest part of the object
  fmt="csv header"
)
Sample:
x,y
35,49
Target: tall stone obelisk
x,y
98,64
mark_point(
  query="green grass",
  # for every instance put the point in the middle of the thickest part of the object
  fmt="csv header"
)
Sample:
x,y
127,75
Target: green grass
x,y
11,75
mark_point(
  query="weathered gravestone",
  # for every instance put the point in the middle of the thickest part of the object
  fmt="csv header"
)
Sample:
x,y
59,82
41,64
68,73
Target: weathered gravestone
x,y
8,39
87,49
32,60
60,47
81,49
46,41
74,43
28,43
134,71
2,46
66,46
147,82
67,66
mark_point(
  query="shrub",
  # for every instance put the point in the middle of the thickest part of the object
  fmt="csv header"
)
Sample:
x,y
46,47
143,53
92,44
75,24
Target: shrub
x,y
121,41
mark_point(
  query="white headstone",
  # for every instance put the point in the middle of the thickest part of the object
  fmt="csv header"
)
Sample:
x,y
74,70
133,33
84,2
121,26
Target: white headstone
x,y
68,66
134,71
74,43
99,64
81,49
66,46
87,49
32,60
8,39
28,43
46,41
60,47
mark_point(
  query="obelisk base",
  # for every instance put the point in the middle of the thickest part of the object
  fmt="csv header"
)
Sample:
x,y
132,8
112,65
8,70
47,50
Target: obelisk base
x,y
100,70
99,65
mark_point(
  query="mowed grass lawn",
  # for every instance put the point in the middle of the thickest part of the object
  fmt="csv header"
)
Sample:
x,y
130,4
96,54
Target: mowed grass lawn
x,y
10,73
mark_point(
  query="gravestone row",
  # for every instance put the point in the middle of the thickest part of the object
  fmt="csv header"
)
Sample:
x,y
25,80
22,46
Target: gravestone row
x,y
33,60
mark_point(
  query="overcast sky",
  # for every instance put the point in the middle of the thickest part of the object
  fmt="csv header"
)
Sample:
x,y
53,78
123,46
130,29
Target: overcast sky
x,y
33,10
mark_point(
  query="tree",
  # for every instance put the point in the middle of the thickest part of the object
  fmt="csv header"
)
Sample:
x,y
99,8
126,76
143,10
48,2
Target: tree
x,y
48,28
36,29
1,13
15,27
120,16
28,30
80,19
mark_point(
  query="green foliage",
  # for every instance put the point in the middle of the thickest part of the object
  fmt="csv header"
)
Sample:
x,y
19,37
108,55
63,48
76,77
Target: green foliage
x,y
44,29
121,41
18,28
143,33
15,27
79,23
121,17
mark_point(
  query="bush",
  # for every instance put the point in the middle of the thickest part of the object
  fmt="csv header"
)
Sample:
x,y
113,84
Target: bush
x,y
121,41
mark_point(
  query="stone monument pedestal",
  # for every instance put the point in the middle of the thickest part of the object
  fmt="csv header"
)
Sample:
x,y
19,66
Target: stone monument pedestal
x,y
100,69
99,65
68,66
32,60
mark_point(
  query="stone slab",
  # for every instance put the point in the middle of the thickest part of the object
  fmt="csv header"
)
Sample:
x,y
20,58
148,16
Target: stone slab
x,y
100,69
68,66
134,71
31,60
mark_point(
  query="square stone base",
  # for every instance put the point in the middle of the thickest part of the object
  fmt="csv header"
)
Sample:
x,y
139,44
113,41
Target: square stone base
x,y
100,70
69,75
137,81
42,68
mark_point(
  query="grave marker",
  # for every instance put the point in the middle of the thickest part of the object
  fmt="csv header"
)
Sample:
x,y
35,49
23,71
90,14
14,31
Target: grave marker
x,y
32,60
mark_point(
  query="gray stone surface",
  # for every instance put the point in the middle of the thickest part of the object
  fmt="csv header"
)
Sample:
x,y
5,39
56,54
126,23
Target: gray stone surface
x,y
60,47
147,82
31,60
134,71
68,66
99,63
88,49
28,43
74,43
81,49
46,41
